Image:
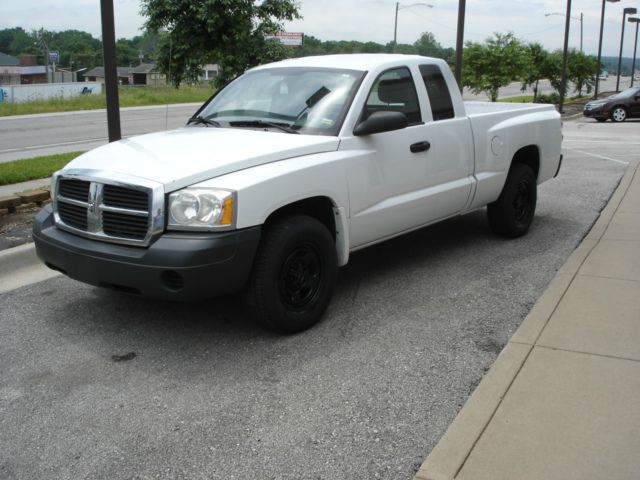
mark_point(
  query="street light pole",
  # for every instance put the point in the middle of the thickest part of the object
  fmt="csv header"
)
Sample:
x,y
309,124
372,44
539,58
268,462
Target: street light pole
x,y
581,18
635,20
395,27
565,52
460,43
581,29
595,93
625,12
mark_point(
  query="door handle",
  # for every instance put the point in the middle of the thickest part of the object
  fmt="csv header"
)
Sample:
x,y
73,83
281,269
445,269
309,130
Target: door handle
x,y
420,147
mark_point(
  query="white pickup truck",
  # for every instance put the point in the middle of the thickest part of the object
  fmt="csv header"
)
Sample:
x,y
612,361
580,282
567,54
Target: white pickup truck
x,y
286,171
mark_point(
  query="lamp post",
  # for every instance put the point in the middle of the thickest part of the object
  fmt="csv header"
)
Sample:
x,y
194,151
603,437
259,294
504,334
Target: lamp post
x,y
565,52
595,93
635,20
580,18
625,12
400,7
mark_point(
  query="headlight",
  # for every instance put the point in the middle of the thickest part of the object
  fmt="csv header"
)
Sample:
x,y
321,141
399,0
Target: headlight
x,y
201,209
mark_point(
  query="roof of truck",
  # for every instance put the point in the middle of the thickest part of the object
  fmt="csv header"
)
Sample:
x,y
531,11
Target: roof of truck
x,y
357,61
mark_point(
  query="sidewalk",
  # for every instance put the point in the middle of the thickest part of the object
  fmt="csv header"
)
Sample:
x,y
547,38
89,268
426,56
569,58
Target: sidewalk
x,y
6,190
562,400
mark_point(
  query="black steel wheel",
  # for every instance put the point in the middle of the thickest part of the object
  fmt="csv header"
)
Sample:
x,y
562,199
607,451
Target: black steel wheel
x,y
294,274
512,213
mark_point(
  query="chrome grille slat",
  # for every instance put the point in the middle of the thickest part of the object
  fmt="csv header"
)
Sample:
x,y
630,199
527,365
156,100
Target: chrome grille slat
x,y
114,212
125,211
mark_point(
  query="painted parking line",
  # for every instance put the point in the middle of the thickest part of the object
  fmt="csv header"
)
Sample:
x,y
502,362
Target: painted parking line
x,y
623,162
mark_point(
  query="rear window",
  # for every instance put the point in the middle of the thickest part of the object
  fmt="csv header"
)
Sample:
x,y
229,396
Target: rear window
x,y
439,97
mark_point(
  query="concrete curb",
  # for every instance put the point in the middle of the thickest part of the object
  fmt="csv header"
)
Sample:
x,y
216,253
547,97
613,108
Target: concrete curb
x,y
451,452
20,266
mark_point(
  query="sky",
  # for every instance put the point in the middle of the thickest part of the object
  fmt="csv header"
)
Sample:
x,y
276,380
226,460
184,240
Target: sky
x,y
373,20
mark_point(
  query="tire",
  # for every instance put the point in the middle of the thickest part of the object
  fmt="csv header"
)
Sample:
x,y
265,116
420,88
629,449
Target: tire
x,y
511,214
294,274
601,120
618,114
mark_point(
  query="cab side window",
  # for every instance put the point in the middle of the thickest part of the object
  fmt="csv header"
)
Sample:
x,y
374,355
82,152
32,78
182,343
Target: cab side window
x,y
439,97
394,91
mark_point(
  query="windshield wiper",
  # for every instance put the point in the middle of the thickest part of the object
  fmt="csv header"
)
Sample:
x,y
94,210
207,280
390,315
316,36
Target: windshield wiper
x,y
285,127
198,120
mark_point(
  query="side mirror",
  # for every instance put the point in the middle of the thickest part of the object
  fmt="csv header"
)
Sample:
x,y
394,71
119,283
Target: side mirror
x,y
381,121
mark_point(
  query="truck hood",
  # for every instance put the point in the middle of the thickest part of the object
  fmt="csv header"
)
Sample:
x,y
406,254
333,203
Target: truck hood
x,y
182,157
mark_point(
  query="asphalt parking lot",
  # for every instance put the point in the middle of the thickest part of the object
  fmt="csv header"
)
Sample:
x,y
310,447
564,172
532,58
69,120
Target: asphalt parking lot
x,y
99,385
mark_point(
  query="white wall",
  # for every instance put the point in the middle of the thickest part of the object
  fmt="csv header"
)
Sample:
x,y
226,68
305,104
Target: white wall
x,y
42,91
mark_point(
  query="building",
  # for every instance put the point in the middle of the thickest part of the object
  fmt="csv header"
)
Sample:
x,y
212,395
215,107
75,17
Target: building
x,y
21,71
143,74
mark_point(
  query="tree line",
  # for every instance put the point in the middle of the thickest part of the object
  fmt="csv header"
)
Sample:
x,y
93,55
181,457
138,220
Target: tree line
x,y
77,49
232,34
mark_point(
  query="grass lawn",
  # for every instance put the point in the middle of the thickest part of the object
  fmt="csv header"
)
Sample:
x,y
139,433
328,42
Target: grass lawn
x,y
128,97
33,168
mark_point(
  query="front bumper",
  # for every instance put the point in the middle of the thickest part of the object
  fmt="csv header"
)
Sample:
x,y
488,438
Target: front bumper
x,y
596,113
177,266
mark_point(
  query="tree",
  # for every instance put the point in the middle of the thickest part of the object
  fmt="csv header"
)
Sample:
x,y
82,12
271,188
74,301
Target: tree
x,y
552,70
428,46
496,63
228,32
581,71
535,72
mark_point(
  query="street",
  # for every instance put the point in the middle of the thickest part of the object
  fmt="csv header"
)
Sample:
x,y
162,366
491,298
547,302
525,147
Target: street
x,y
95,384
33,135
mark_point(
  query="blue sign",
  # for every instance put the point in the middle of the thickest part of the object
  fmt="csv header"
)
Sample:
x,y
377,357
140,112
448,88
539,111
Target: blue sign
x,y
54,56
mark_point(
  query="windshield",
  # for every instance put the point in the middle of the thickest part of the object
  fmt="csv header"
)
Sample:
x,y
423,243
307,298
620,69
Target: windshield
x,y
304,100
628,93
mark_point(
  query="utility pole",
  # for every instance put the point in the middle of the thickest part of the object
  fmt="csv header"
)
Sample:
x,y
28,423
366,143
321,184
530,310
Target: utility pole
x,y
565,53
110,70
460,43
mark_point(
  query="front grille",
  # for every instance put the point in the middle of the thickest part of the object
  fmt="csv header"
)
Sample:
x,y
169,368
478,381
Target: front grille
x,y
73,215
121,197
124,225
74,189
107,212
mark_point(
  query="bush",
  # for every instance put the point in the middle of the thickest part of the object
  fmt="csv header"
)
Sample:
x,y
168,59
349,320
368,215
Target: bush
x,y
550,98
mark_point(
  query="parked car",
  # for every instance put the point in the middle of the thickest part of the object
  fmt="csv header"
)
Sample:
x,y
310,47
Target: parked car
x,y
618,107
303,162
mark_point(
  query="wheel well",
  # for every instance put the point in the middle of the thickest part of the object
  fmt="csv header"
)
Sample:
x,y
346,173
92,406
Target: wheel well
x,y
528,155
320,208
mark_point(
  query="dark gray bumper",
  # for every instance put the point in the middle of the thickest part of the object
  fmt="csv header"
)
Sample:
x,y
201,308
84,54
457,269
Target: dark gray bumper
x,y
177,266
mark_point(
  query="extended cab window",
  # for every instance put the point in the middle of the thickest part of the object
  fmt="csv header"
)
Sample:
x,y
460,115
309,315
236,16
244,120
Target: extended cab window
x,y
394,91
441,104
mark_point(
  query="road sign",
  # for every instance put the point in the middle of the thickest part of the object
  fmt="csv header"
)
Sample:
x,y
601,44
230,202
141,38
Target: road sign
x,y
288,39
54,56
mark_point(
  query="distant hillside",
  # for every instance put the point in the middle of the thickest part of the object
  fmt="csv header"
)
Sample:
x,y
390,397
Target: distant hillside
x,y
611,63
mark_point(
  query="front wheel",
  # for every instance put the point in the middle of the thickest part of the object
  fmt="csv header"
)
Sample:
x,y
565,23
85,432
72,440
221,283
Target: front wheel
x,y
294,274
618,114
512,213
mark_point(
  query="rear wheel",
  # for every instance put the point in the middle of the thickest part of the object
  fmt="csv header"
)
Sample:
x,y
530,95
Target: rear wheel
x,y
294,274
619,114
511,214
